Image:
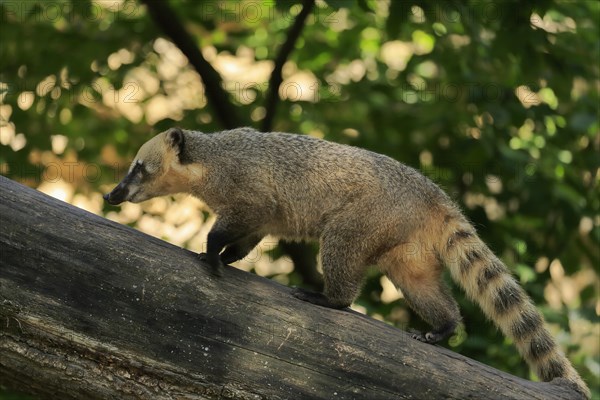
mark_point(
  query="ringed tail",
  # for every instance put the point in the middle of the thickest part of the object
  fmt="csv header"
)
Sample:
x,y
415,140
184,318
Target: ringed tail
x,y
488,282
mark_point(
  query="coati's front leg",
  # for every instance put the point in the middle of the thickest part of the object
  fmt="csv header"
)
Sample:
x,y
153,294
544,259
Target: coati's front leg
x,y
216,242
240,249
227,231
236,251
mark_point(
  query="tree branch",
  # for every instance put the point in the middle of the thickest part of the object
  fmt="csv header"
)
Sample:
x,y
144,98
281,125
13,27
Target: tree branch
x,y
284,52
168,21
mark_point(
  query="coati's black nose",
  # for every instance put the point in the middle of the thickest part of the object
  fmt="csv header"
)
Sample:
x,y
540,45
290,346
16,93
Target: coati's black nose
x,y
117,196
110,199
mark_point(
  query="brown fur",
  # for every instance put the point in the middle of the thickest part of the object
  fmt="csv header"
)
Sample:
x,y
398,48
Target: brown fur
x,y
363,207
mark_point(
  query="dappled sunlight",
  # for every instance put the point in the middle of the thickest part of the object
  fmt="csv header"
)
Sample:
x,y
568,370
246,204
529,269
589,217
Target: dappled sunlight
x,y
553,23
396,54
493,209
527,97
59,143
58,189
389,293
9,137
128,214
146,82
25,100
565,290
262,263
358,308
242,68
161,107
93,203
119,58
301,86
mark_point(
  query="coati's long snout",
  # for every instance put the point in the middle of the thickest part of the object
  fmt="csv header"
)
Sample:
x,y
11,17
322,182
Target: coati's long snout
x,y
116,196
124,191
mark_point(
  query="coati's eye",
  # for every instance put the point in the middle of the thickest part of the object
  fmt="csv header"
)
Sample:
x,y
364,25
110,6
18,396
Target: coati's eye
x,y
141,170
135,167
138,169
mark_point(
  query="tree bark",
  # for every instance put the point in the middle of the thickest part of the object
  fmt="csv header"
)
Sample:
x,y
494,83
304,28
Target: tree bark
x,y
97,310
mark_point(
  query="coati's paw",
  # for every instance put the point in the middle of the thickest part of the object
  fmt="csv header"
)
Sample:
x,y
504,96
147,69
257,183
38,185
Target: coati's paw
x,y
437,335
215,263
315,298
217,270
427,337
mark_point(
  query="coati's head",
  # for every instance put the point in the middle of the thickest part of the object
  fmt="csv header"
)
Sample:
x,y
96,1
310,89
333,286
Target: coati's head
x,y
155,171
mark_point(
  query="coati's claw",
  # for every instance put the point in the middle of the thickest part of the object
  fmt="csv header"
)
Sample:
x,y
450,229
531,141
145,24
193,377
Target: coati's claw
x,y
436,335
216,265
428,337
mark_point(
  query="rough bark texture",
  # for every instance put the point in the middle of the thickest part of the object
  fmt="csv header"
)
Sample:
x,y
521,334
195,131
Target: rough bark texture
x,y
96,310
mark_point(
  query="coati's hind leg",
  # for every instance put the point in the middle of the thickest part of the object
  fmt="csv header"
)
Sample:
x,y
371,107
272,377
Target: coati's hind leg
x,y
343,273
418,273
439,310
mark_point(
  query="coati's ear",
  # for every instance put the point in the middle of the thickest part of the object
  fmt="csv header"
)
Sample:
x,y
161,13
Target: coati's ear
x,y
176,139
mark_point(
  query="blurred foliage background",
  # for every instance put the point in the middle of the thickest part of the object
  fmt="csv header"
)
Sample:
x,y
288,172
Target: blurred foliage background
x,y
496,101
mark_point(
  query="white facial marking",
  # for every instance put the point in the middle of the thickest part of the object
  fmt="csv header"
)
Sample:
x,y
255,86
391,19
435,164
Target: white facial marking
x,y
134,163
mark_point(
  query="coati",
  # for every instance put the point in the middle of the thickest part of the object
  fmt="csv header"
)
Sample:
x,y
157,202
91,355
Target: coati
x,y
364,208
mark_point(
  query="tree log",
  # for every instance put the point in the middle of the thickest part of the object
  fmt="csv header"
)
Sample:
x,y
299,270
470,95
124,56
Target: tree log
x,y
93,309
